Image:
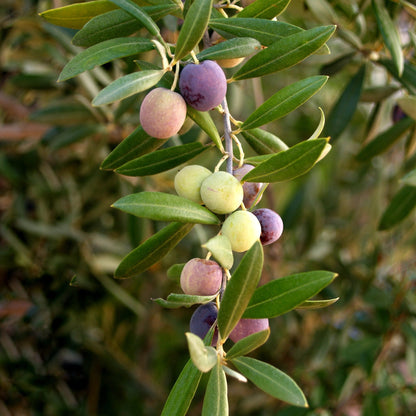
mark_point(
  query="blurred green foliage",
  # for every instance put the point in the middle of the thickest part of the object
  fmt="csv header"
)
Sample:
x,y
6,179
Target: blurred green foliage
x,y
75,341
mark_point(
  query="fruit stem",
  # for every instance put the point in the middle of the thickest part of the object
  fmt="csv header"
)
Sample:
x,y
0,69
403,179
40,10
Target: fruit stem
x,y
175,80
227,136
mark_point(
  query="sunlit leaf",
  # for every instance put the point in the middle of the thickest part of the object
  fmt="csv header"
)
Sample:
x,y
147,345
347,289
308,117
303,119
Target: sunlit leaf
x,y
216,400
162,160
317,304
265,31
220,247
240,289
152,250
203,357
134,145
285,53
102,53
401,205
161,206
117,23
288,164
346,105
74,16
282,295
138,13
127,85
203,119
316,134
284,101
271,380
175,300
229,49
266,9
248,344
263,142
193,28
390,34
385,139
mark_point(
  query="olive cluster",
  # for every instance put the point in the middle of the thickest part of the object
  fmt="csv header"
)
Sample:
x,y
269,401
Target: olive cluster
x,y
202,86
223,193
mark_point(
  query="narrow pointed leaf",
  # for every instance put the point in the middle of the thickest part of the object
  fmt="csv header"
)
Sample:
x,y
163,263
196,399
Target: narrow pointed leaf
x,y
282,295
265,31
408,77
248,344
284,101
117,23
402,204
229,49
266,9
385,139
408,105
193,27
128,85
75,16
240,289
174,271
216,400
390,35
102,53
134,145
409,179
346,105
160,206
183,391
316,134
204,357
220,247
285,53
162,160
138,13
317,304
271,380
175,300
204,120
152,250
288,164
263,142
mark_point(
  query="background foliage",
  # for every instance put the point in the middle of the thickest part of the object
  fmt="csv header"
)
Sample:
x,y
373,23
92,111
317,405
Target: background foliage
x,y
74,341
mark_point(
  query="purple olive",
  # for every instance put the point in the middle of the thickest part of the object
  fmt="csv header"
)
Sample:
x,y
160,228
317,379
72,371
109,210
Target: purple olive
x,y
271,225
203,85
202,320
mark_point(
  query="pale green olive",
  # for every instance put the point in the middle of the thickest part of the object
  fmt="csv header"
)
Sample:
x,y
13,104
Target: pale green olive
x,y
242,229
222,193
188,182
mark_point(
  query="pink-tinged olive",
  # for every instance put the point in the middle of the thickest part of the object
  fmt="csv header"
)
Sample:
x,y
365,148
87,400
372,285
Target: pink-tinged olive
x,y
221,192
246,327
201,277
203,85
251,189
242,229
271,225
162,113
188,182
202,320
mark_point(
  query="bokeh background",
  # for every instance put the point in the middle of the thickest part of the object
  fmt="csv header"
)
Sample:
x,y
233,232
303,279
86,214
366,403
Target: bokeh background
x,y
74,341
